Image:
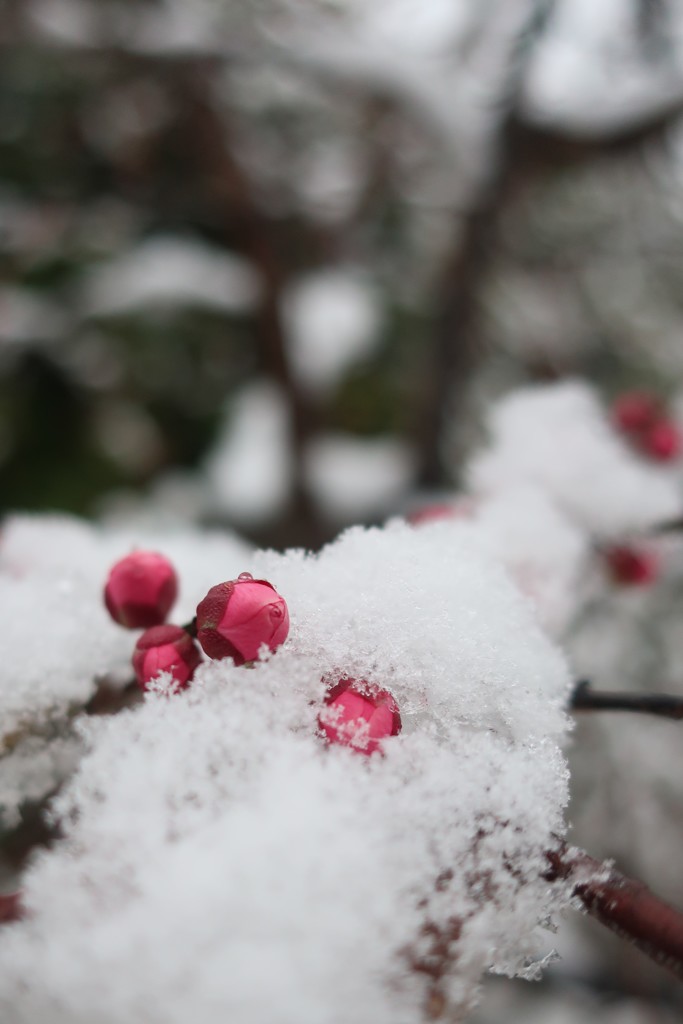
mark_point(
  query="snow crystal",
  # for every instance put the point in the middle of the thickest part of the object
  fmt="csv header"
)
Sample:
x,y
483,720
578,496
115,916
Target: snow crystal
x,y
221,863
559,438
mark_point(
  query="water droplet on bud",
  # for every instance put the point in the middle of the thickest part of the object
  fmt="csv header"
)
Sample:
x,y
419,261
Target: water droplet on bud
x,y
245,576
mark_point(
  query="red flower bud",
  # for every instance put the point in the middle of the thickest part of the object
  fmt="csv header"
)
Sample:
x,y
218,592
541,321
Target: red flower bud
x,y
462,509
359,715
662,440
236,618
635,411
165,649
141,590
10,907
631,567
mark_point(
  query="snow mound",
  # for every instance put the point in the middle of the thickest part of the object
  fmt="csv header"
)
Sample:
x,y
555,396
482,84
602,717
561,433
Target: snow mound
x,y
221,863
543,550
559,438
60,639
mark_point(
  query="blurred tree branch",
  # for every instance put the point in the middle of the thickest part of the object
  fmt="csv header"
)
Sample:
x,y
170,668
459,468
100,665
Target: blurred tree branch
x,y
524,152
232,196
663,705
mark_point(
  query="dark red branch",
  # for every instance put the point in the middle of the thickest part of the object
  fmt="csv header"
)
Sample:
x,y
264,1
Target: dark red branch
x,y
627,907
664,705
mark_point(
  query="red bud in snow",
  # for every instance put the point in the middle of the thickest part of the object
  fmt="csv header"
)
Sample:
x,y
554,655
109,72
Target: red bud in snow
x,y
641,417
433,513
631,567
634,411
662,440
165,649
359,715
10,907
236,618
141,590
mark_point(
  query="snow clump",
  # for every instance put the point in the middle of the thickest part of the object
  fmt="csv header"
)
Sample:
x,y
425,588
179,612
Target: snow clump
x,y
220,861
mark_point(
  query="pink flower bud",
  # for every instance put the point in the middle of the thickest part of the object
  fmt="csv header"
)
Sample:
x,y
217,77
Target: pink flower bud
x,y
662,441
141,590
359,715
236,618
166,649
432,513
630,566
634,411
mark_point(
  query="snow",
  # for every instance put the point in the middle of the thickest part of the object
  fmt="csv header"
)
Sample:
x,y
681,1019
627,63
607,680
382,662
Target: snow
x,y
356,478
221,863
167,273
589,76
543,550
27,318
249,468
52,573
559,438
332,320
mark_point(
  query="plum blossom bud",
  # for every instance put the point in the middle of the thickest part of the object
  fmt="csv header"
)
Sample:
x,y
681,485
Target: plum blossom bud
x,y
662,440
630,566
359,715
634,411
166,649
462,509
141,590
236,618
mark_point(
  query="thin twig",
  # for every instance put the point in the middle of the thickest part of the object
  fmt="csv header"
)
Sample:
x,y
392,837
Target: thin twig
x,y
664,705
627,907
668,526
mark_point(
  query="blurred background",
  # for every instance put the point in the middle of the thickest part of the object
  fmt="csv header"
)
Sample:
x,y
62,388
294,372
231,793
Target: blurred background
x,y
265,264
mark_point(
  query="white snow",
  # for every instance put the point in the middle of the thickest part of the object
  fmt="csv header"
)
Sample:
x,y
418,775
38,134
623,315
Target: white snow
x,y
333,318
221,863
543,550
61,640
559,438
355,478
249,468
170,272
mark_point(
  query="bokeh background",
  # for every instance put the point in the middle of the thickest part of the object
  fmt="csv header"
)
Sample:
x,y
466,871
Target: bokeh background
x,y
265,264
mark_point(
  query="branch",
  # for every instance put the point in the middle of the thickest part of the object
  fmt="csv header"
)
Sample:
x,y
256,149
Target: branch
x,y
456,332
664,705
106,699
627,907
233,197
668,526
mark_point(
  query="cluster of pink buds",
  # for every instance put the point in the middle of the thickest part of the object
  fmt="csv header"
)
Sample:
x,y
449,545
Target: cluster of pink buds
x,y
645,421
235,620
631,566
